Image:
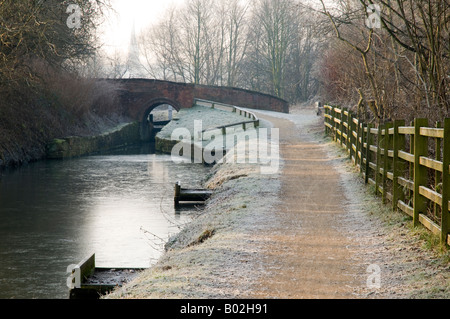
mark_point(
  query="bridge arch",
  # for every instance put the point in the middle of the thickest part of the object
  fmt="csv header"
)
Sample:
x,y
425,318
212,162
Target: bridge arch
x,y
138,97
146,128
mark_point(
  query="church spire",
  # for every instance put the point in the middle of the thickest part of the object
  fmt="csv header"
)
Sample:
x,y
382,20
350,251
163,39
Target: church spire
x,y
133,62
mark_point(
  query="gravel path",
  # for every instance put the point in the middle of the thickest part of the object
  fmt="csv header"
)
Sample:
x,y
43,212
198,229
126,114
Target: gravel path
x,y
312,230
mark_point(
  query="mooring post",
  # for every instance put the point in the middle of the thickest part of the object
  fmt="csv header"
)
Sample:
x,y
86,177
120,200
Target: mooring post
x,y
176,197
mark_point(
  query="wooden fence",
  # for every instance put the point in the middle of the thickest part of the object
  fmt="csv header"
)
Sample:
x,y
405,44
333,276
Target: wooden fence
x,y
407,164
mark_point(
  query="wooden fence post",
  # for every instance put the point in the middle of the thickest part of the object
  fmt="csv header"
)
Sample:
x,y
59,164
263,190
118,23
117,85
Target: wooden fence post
x,y
398,164
361,139
445,219
386,161
378,162
420,172
333,111
341,127
437,174
368,157
350,137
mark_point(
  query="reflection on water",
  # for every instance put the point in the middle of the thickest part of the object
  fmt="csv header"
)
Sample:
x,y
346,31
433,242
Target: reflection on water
x,y
54,213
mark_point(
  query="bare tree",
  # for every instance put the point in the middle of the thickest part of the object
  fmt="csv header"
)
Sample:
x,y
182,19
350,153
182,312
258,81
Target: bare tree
x,y
405,57
276,17
37,30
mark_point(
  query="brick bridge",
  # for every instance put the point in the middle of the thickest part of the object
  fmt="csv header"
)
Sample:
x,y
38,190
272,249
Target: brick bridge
x,y
140,96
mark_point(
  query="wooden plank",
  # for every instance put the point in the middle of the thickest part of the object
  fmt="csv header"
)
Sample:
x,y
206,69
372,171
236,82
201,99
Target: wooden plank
x,y
337,110
429,224
406,156
432,132
390,175
406,183
405,208
390,153
374,131
388,196
373,148
328,125
431,194
431,163
406,130
356,121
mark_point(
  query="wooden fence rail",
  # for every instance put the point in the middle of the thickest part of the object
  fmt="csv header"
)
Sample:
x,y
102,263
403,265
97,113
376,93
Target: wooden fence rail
x,y
409,166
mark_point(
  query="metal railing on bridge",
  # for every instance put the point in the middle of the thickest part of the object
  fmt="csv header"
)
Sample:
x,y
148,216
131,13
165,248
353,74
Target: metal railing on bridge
x,y
253,119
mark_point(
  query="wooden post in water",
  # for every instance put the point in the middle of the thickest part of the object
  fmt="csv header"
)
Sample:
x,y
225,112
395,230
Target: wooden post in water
x,y
420,171
177,193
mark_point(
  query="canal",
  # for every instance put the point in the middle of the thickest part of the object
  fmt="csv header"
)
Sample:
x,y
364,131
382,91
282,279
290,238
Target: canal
x,y
54,213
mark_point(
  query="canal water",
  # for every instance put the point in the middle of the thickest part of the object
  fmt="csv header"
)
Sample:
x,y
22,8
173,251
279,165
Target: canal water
x,y
55,213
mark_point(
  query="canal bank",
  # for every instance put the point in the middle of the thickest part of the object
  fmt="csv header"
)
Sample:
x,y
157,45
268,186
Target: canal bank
x,y
123,135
